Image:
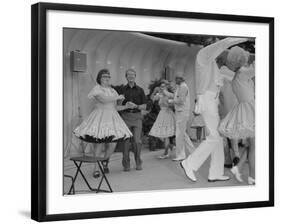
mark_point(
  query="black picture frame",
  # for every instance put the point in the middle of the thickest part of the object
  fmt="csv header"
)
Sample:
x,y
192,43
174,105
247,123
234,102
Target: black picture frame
x,y
39,110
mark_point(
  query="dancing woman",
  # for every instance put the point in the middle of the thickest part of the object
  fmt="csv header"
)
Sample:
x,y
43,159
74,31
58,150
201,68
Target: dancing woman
x,y
164,126
104,126
239,123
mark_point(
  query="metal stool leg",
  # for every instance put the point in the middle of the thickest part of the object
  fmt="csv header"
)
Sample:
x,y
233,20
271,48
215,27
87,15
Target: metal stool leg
x,y
72,184
75,176
78,166
84,178
103,177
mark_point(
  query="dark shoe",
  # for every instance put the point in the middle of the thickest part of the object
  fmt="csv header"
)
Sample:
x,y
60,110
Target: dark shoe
x,y
229,166
126,169
96,174
138,167
235,160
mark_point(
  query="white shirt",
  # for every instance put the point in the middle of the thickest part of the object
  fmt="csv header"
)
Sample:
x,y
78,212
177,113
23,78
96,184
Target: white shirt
x,y
207,74
182,98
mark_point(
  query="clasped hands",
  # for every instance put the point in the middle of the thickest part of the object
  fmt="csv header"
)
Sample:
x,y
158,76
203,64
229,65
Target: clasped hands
x,y
131,105
120,97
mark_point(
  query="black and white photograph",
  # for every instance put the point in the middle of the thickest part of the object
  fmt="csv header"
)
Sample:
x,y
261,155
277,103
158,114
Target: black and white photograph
x,y
140,112
149,111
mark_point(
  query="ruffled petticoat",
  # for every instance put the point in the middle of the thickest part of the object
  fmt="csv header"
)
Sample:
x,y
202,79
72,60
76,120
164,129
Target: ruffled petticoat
x,y
165,124
103,125
239,123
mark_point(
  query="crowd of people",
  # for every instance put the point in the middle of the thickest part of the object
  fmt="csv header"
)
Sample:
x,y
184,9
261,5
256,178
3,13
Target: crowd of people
x,y
219,66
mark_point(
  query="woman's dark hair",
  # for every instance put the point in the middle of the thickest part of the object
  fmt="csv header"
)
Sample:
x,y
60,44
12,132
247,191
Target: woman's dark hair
x,y
164,81
100,73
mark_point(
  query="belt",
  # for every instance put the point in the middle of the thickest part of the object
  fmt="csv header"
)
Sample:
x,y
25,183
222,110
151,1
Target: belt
x,y
132,111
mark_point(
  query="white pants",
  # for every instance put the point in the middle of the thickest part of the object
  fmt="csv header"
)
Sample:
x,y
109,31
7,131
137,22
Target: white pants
x,y
183,141
213,145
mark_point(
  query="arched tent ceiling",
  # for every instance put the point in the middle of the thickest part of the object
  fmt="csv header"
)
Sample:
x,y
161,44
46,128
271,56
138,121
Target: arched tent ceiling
x,y
118,51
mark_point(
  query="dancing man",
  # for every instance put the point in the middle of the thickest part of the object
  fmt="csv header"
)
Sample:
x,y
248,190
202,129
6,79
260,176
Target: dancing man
x,y
208,83
181,101
136,101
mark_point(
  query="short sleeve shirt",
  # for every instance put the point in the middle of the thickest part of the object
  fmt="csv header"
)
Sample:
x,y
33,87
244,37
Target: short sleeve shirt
x,y
133,94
